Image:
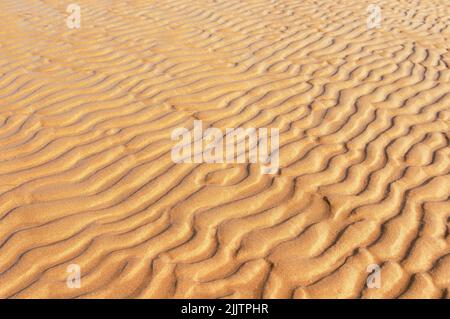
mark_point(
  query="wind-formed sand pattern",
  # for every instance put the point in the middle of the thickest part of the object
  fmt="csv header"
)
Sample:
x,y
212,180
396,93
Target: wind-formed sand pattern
x,y
87,179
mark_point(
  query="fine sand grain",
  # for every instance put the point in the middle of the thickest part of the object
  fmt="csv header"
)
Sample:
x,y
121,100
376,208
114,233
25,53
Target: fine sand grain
x,y
87,178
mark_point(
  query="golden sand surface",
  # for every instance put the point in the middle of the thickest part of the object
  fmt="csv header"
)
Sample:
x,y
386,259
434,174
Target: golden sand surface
x,y
86,175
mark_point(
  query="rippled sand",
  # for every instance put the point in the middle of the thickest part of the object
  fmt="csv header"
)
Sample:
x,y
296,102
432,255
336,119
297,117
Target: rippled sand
x,y
86,175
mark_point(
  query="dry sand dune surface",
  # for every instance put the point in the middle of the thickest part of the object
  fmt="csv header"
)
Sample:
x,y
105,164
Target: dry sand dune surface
x,y
87,177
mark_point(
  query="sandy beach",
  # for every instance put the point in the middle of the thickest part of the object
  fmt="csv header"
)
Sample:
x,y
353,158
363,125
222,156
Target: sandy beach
x,y
96,94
